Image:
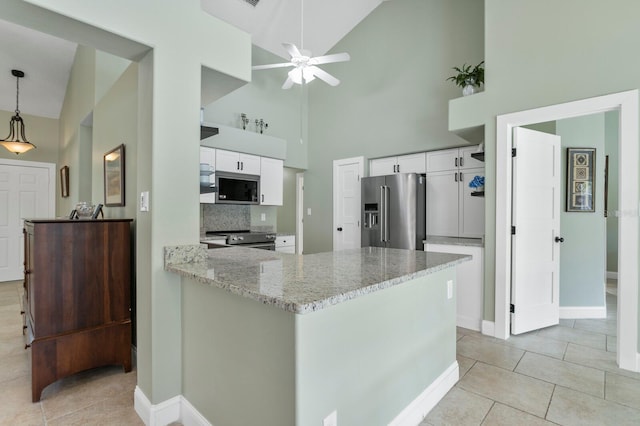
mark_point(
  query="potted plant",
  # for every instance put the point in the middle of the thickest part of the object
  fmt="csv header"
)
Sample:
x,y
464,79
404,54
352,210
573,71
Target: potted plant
x,y
468,78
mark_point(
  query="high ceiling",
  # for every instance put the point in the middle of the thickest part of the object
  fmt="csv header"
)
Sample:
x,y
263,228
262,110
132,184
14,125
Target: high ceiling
x,y
47,60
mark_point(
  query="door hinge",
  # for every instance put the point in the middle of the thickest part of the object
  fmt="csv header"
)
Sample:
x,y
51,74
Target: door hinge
x,y
512,308
513,152
513,230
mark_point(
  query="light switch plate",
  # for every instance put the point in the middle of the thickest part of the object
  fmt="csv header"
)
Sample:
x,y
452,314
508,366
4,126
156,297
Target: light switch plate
x,y
263,216
144,201
449,289
309,211
331,419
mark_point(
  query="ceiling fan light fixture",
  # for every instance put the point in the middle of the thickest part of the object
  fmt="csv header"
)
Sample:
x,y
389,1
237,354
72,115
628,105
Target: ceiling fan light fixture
x,y
299,73
17,142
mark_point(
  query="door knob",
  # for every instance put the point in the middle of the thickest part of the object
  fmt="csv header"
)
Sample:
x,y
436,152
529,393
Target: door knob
x,y
559,240
340,229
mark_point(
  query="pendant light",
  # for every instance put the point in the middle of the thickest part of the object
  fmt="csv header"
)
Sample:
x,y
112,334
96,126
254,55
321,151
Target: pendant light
x,y
16,142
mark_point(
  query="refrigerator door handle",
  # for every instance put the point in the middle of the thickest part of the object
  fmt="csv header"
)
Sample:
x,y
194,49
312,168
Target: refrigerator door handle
x,y
386,213
382,213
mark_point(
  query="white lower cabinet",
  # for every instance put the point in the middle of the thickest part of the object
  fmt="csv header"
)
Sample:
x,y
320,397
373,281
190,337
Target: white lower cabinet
x,y
469,284
286,244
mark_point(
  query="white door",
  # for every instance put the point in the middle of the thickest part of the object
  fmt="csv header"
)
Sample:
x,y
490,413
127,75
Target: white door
x,y
346,202
271,181
25,192
536,217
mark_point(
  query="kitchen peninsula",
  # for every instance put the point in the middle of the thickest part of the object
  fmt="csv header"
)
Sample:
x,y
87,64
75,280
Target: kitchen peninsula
x,y
280,339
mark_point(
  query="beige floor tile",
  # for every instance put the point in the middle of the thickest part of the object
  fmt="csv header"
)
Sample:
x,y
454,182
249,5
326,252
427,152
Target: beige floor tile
x,y
623,390
489,352
567,322
612,344
461,332
502,415
513,389
459,408
572,335
534,343
14,366
598,326
464,364
12,346
573,376
569,407
107,412
16,407
596,358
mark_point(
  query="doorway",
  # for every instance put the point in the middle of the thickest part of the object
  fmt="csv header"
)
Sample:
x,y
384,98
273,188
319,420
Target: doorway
x,y
346,202
627,105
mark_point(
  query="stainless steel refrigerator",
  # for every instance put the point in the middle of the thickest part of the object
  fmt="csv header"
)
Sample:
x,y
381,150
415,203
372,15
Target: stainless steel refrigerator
x,y
393,211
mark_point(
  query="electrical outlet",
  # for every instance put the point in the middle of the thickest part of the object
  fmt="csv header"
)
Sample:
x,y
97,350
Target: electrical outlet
x,y
263,216
449,289
331,419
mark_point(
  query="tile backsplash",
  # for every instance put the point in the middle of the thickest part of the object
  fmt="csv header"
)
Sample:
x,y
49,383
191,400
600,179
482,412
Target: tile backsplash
x,y
235,217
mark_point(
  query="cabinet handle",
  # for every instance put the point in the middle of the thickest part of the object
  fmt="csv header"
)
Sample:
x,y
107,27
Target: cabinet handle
x,y
398,168
461,178
263,198
22,312
394,168
27,346
461,162
238,166
456,161
455,177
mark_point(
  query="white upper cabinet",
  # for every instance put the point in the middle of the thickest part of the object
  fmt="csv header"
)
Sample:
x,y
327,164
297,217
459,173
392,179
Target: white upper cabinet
x,y
452,159
271,181
207,159
236,162
411,163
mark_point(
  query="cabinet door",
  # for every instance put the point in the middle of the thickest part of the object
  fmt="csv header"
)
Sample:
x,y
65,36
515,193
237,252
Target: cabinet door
x,y
249,164
227,161
471,215
468,162
412,163
442,204
271,178
208,156
445,159
382,166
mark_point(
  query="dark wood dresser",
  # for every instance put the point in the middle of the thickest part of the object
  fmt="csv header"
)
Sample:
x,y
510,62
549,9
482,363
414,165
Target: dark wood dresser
x,y
77,302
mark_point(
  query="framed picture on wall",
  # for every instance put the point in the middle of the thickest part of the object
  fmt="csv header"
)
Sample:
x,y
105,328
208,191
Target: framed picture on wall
x,y
581,163
64,181
114,177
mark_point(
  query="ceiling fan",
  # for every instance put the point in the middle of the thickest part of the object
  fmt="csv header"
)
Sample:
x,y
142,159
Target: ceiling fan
x,y
304,65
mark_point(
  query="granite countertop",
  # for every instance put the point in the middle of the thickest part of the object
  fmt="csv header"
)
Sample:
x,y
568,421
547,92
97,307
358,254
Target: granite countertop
x,y
304,283
455,241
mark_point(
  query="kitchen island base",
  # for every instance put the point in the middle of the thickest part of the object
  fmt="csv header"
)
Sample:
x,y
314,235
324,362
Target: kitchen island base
x,y
375,359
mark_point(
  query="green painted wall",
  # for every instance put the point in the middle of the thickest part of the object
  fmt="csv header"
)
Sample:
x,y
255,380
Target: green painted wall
x,y
611,123
393,96
287,212
583,253
283,110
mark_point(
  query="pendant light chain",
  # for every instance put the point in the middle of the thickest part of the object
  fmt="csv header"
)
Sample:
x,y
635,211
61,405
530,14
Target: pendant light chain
x,y
17,95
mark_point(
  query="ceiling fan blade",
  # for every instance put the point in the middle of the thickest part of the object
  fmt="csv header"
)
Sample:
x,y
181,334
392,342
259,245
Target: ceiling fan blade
x,y
288,83
324,76
269,66
336,57
292,50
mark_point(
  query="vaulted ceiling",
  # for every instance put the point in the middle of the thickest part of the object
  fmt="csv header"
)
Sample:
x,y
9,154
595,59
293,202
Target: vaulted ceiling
x,y
47,60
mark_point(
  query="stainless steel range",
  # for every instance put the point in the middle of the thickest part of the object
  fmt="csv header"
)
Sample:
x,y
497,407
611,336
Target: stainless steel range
x,y
259,240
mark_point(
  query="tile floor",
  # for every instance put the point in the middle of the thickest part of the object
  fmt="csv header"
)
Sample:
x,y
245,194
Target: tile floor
x,y
560,375
564,375
103,396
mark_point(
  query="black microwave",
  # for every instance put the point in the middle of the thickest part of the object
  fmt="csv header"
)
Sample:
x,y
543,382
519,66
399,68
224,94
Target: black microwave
x,y
237,188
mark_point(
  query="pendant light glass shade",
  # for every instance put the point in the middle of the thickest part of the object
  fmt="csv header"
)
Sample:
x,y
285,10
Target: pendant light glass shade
x,y
16,142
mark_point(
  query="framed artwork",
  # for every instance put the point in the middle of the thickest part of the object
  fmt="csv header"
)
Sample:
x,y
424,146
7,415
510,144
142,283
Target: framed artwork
x,y
581,163
64,181
114,177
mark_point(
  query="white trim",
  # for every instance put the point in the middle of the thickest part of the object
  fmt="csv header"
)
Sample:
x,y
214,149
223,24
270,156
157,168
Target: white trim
x,y
628,219
488,328
418,409
583,312
176,409
299,212
469,323
336,165
612,275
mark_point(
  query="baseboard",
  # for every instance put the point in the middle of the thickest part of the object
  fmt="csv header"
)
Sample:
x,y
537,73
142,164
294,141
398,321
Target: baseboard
x,y
190,416
583,312
469,323
612,275
489,328
176,409
418,409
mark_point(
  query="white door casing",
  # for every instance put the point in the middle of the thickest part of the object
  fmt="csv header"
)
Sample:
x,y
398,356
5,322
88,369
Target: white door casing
x,y
346,202
27,190
299,212
628,211
535,267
